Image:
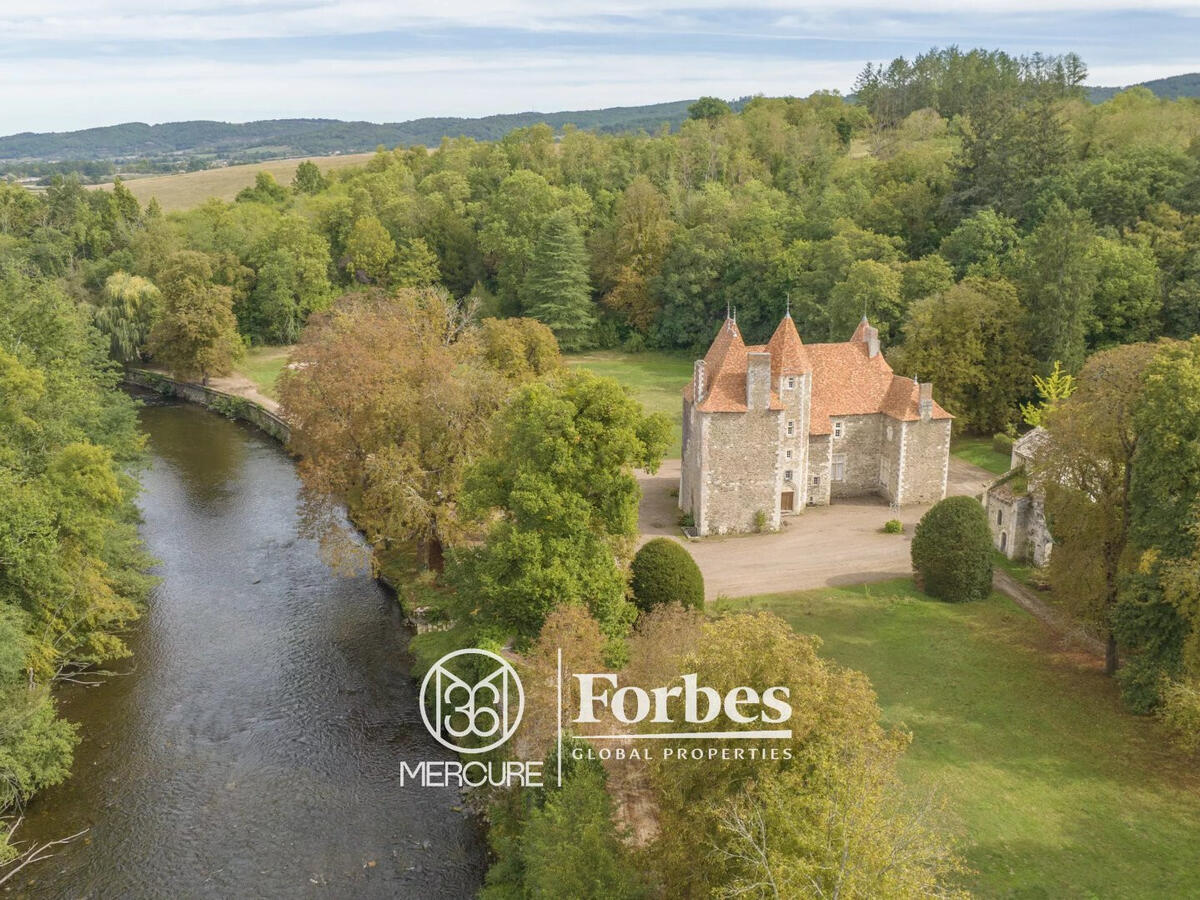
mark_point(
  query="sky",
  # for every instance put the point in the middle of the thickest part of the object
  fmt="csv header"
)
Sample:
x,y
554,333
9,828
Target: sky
x,y
68,64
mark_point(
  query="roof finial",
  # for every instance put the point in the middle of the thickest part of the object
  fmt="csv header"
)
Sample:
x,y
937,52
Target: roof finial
x,y
915,381
735,315
727,316
788,313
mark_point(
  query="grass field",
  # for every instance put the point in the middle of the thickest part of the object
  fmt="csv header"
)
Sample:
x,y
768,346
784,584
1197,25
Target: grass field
x,y
978,451
262,365
1060,793
655,379
188,189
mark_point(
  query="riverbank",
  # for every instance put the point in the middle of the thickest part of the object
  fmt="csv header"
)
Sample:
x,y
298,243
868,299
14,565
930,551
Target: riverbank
x,y
252,743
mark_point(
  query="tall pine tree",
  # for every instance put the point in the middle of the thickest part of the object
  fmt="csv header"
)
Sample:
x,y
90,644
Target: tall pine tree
x,y
557,292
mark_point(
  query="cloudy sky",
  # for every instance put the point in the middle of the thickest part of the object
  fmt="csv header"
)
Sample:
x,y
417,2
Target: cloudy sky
x,y
69,64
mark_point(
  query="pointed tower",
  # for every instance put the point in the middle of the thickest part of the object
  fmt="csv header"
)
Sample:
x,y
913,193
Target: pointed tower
x,y
791,376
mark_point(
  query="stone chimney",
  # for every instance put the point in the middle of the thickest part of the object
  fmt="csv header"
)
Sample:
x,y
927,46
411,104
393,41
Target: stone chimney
x,y
925,401
698,380
872,342
758,380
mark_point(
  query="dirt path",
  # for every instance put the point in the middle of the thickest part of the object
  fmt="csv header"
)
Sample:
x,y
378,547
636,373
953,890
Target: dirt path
x,y
1040,609
242,386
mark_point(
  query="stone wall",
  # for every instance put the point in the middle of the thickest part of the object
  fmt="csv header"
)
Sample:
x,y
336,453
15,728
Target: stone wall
x,y
690,471
859,448
740,475
818,468
229,404
926,461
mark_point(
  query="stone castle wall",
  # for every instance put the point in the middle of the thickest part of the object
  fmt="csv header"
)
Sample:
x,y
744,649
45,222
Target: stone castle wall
x,y
859,448
741,474
926,461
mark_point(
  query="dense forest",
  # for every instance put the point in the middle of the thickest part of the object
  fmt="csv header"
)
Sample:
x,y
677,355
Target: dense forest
x,y
144,148
991,221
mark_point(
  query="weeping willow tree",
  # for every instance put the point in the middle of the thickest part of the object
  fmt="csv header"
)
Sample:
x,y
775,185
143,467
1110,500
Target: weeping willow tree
x,y
128,309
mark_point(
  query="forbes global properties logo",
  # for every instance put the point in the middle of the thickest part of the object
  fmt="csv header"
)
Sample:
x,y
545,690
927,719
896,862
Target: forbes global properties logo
x,y
483,710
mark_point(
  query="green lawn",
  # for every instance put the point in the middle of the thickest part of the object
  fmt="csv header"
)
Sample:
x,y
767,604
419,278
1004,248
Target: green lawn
x,y
978,451
656,379
1059,791
262,365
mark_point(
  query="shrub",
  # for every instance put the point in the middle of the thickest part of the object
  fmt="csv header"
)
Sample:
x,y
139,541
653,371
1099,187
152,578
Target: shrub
x,y
893,526
1180,712
952,551
664,572
687,520
1002,443
760,521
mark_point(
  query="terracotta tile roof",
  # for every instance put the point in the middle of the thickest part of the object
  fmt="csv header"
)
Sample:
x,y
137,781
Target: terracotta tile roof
x,y
846,380
725,373
788,356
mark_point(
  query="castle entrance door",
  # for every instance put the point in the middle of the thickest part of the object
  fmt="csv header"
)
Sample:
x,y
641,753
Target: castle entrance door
x,y
787,500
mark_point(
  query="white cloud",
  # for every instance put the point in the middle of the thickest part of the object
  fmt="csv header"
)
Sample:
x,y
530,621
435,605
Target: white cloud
x,y
146,19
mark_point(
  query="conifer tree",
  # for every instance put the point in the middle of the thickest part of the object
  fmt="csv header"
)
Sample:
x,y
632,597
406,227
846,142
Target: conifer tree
x,y
557,292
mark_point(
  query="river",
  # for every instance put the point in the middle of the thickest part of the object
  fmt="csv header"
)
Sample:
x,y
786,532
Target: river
x,y
251,745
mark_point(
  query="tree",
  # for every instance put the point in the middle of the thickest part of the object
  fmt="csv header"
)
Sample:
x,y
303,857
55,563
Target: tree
x,y
829,818
872,289
664,572
369,251
1157,617
709,108
556,290
197,333
519,349
971,342
1085,468
1127,303
952,551
558,491
292,282
1053,389
390,399
127,312
308,178
1055,272
980,244
415,265
266,190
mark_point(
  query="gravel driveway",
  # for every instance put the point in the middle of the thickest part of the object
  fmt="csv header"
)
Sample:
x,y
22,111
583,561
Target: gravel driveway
x,y
830,545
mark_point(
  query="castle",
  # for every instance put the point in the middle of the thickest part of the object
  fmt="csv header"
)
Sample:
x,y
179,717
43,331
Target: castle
x,y
771,429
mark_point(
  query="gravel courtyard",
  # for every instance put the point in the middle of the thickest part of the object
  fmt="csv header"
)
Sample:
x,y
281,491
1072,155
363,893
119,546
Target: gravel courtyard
x,y
831,545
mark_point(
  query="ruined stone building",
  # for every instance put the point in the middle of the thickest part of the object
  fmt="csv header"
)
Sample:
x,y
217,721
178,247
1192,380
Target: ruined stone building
x,y
1015,508
771,429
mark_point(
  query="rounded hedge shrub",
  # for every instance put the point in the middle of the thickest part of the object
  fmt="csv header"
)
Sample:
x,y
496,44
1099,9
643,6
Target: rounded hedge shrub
x,y
952,551
893,526
664,572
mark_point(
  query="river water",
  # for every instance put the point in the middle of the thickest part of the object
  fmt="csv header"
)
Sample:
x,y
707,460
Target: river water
x,y
251,746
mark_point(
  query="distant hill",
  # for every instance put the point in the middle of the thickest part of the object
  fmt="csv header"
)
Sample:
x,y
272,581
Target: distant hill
x,y
1173,88
311,137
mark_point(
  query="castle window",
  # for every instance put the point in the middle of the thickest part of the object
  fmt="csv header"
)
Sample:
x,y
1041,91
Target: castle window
x,y
816,481
787,454
791,381
837,429
838,472
889,432
787,474
999,517
791,428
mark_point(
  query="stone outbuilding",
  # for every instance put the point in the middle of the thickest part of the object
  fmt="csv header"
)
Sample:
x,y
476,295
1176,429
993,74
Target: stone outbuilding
x,y
1015,509
771,429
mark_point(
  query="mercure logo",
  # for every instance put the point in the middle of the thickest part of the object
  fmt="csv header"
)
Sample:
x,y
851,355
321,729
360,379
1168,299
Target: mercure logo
x,y
489,708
